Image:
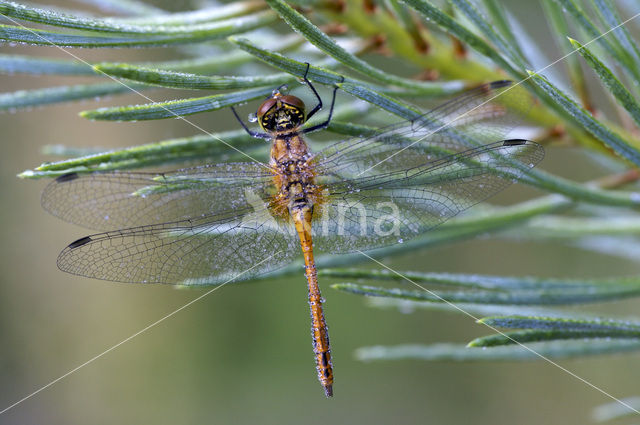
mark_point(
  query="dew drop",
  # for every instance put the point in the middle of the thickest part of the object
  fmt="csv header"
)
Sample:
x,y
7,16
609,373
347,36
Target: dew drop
x,y
252,117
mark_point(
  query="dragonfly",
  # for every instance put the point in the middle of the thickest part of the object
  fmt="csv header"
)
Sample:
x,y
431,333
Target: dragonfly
x,y
222,222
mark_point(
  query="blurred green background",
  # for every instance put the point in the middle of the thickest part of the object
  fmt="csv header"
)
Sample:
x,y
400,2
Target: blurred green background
x,y
243,354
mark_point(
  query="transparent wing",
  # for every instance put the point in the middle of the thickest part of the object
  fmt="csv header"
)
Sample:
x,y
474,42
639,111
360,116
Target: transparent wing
x,y
206,250
107,201
375,211
210,224
477,117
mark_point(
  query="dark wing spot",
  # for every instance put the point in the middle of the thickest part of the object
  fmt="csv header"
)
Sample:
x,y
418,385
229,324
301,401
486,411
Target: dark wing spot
x,y
80,242
514,142
67,177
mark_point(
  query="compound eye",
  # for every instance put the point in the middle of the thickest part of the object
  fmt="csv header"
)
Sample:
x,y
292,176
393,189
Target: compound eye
x,y
265,114
294,101
265,107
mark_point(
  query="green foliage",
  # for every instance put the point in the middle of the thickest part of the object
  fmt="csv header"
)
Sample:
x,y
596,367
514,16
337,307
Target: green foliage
x,y
617,89
175,108
489,289
532,351
571,110
476,42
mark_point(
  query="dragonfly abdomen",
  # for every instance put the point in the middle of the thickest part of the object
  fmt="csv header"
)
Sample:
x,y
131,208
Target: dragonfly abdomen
x,y
319,331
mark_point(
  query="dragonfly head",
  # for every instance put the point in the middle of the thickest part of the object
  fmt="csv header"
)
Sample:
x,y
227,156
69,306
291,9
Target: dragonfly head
x,y
281,113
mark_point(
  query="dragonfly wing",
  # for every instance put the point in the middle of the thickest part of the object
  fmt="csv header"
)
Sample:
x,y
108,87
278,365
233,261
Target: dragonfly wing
x,y
207,250
107,201
376,211
477,117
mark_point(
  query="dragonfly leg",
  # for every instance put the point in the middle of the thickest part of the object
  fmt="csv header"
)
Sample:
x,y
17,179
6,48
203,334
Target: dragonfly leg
x,y
324,124
306,81
251,133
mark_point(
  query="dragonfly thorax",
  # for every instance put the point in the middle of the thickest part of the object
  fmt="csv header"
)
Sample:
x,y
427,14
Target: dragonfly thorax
x,y
294,174
281,113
